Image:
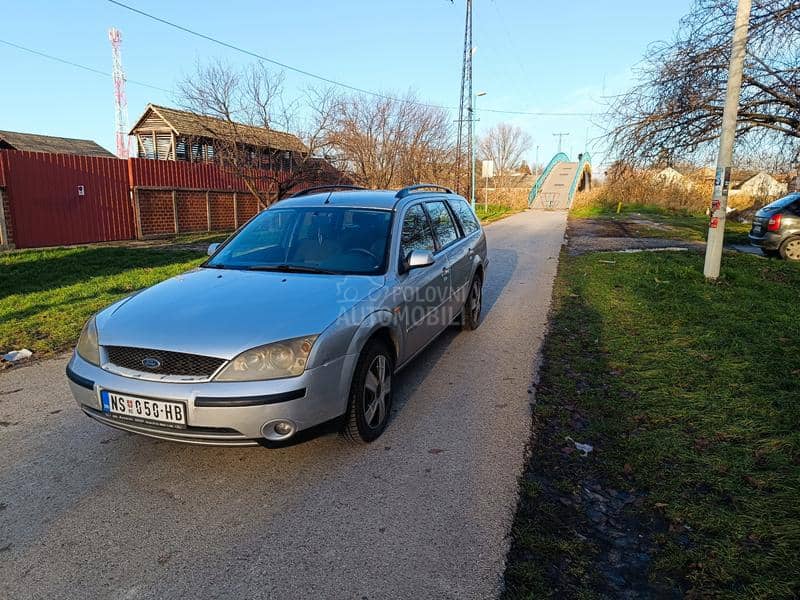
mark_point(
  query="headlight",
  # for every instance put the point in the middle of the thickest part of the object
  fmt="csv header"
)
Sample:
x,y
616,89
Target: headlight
x,y
88,347
273,361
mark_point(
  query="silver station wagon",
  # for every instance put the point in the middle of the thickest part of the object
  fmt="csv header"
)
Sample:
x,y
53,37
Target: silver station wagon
x,y
302,317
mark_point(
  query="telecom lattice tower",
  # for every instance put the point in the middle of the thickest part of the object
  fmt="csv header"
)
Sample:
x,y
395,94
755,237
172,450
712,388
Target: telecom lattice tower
x,y
120,99
465,121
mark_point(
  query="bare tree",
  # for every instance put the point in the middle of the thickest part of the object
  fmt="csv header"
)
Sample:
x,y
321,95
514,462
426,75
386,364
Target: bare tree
x,y
505,144
385,143
229,103
675,109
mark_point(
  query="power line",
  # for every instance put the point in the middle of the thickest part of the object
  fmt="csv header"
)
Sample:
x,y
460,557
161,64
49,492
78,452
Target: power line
x,y
333,82
318,77
288,67
77,65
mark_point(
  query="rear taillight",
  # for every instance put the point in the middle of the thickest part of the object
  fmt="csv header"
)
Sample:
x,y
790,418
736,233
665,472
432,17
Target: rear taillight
x,y
774,223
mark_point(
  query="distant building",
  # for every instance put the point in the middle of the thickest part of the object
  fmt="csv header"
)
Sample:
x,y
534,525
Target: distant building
x,y
164,133
760,184
32,142
671,176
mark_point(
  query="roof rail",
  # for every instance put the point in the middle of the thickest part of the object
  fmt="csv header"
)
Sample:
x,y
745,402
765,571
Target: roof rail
x,y
322,188
421,186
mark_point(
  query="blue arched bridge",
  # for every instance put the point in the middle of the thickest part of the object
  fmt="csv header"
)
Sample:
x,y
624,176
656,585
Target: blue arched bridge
x,y
555,188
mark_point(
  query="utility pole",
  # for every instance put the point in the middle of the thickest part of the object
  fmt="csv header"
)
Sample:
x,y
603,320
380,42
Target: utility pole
x,y
536,163
465,117
719,200
472,150
560,137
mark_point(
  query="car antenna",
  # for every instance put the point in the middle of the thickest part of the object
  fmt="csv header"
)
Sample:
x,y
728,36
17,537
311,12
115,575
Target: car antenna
x,y
328,199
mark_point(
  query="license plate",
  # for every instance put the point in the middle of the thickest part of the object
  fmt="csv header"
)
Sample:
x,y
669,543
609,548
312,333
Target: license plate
x,y
144,410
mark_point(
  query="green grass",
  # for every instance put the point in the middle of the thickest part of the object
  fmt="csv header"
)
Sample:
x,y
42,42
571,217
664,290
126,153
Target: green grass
x,y
690,392
680,224
493,212
47,295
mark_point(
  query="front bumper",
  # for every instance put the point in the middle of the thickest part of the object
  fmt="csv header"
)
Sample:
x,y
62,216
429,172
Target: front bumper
x,y
221,413
767,241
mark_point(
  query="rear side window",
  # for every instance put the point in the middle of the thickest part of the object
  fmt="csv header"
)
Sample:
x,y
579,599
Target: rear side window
x,y
417,234
469,221
443,226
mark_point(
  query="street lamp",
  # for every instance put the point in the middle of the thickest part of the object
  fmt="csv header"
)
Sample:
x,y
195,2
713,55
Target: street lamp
x,y
472,120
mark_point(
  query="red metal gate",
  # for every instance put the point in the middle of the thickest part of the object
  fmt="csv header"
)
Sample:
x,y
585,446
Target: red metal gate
x,y
57,199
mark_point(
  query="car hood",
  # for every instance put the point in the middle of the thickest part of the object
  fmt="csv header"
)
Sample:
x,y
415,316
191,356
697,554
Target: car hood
x,y
216,312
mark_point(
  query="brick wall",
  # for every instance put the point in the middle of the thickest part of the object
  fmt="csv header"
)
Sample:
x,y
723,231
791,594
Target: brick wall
x,y
157,215
192,211
248,206
222,213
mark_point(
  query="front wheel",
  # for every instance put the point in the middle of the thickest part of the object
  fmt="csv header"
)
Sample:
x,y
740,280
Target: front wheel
x,y
471,314
370,394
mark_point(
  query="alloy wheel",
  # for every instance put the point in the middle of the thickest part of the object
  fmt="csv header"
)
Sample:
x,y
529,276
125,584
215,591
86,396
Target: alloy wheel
x,y
377,386
475,297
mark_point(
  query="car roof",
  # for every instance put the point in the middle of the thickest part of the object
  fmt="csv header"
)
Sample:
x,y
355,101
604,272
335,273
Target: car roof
x,y
375,199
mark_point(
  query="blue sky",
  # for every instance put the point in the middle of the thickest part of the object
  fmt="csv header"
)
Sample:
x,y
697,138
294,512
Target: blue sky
x,y
531,55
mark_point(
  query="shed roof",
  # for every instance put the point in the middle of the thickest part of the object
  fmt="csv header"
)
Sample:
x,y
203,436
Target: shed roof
x,y
190,124
742,177
33,142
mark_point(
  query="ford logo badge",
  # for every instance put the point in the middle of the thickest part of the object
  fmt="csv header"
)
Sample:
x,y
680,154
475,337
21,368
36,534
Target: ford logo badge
x,y
151,363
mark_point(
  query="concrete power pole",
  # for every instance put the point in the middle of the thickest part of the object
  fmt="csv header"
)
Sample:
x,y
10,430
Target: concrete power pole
x,y
719,200
560,137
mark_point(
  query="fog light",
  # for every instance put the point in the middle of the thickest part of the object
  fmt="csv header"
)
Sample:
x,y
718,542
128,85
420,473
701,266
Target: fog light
x,y
278,430
283,428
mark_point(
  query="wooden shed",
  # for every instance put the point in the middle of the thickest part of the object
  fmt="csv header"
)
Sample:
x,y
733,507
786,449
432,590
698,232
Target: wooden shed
x,y
164,133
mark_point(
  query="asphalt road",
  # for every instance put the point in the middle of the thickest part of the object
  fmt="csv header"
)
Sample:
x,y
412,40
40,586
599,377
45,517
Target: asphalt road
x,y
91,512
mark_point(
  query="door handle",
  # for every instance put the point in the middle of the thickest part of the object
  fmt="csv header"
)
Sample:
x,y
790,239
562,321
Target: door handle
x,y
445,271
471,252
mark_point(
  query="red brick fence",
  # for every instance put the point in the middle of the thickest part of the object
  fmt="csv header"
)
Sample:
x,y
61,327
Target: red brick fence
x,y
165,211
62,199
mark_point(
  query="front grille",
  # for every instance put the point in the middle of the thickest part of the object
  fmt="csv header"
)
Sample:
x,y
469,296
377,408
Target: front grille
x,y
163,362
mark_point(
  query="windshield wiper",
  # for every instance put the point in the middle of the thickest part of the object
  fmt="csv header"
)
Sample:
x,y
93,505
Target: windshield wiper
x,y
290,269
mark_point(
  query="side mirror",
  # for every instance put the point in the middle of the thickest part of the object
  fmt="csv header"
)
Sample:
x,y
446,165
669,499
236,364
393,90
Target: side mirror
x,y
417,259
212,248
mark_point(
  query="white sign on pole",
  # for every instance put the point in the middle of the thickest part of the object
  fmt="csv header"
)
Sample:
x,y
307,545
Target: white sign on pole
x,y
487,168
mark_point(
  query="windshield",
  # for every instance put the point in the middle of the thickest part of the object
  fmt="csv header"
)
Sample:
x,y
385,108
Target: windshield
x,y
311,240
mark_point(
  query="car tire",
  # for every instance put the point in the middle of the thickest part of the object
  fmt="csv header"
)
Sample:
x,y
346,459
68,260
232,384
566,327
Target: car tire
x,y
471,313
370,399
770,253
790,249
